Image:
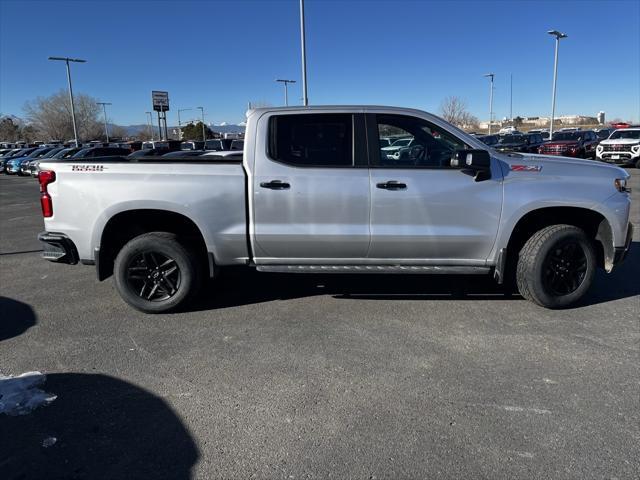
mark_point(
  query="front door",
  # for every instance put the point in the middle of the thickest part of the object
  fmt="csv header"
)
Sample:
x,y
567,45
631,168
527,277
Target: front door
x,y
311,189
423,211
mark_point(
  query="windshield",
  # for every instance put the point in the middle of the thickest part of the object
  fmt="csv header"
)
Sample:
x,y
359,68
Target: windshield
x,y
634,134
82,152
53,151
403,142
567,136
511,139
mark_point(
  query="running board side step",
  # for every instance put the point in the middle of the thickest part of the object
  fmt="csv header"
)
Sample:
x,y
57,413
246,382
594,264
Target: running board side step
x,y
403,269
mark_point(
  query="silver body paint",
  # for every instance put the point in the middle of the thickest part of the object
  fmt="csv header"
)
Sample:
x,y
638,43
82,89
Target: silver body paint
x,y
337,216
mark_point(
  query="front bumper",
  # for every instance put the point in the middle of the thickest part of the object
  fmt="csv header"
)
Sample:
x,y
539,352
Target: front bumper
x,y
621,157
58,248
620,253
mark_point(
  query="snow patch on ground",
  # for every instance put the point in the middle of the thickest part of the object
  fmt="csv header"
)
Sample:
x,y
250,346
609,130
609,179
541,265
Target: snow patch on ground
x,y
20,395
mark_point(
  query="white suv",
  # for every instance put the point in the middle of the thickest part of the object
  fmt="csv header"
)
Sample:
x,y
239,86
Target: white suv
x,y
622,147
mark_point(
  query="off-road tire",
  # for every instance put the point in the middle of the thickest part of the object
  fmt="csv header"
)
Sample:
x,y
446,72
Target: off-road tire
x,y
547,264
139,252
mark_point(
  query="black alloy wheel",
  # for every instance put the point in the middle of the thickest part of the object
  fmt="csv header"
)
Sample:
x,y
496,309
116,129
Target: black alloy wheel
x,y
565,268
158,272
154,276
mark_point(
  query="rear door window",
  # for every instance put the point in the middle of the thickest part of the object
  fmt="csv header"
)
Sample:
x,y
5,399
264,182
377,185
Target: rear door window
x,y
312,140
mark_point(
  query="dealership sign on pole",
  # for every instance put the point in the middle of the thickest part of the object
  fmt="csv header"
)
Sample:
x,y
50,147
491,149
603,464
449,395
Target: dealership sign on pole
x,y
160,101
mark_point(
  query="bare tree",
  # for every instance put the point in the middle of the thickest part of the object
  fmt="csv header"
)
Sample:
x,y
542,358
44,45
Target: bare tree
x,y
9,131
51,116
454,110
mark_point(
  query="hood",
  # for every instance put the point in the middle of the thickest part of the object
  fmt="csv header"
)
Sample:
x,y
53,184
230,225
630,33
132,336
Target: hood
x,y
556,165
621,141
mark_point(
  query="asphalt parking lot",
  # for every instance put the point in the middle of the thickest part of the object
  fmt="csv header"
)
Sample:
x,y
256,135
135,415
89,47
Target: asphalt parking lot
x,y
282,376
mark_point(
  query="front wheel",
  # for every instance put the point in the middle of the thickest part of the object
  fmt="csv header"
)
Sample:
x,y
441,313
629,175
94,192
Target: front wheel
x,y
556,266
155,273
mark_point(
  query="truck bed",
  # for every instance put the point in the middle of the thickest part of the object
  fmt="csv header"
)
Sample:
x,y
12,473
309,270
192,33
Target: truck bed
x,y
209,192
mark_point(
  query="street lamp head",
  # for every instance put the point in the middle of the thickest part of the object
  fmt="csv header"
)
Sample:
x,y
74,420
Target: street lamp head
x,y
557,34
67,59
489,75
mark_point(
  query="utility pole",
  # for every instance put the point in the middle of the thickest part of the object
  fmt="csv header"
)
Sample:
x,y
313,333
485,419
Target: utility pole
x,y
73,111
204,138
558,36
490,75
305,99
150,124
511,100
104,109
180,124
286,92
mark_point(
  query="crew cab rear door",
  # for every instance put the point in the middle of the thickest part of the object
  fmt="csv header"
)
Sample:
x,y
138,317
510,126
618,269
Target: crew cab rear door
x,y
422,210
310,189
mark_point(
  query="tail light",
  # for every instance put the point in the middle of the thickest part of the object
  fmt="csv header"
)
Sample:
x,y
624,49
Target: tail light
x,y
46,177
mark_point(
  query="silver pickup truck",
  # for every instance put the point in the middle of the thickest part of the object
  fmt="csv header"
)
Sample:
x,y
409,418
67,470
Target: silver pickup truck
x,y
314,193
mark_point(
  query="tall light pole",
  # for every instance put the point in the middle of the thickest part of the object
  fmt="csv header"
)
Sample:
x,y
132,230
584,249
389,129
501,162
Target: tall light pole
x,y
303,44
286,92
204,138
490,75
511,100
180,124
182,110
558,36
150,124
104,109
73,111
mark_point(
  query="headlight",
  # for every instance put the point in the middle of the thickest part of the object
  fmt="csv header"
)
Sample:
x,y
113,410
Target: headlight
x,y
600,148
621,185
635,148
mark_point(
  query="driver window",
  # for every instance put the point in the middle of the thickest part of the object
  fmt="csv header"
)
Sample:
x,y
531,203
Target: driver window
x,y
408,142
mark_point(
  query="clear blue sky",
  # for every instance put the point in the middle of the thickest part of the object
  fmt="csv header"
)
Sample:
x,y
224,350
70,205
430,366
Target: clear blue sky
x,y
222,54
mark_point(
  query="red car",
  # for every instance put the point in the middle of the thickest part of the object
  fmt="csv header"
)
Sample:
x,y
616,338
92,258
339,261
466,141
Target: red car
x,y
579,144
620,125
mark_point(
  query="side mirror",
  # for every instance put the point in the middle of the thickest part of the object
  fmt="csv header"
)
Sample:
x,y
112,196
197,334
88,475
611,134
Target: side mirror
x,y
476,162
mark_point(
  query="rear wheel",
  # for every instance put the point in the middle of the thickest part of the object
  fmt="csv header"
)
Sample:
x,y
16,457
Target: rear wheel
x,y
556,266
155,273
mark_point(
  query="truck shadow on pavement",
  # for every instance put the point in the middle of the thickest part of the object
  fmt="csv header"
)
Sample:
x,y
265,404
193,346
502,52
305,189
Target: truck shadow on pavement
x,y
244,286
15,318
98,427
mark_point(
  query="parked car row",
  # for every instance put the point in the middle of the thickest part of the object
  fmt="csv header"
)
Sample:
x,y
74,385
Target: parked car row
x,y
25,161
21,159
620,146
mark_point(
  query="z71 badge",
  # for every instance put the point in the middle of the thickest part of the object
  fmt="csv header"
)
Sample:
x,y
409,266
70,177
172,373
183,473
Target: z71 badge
x,y
526,168
87,168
